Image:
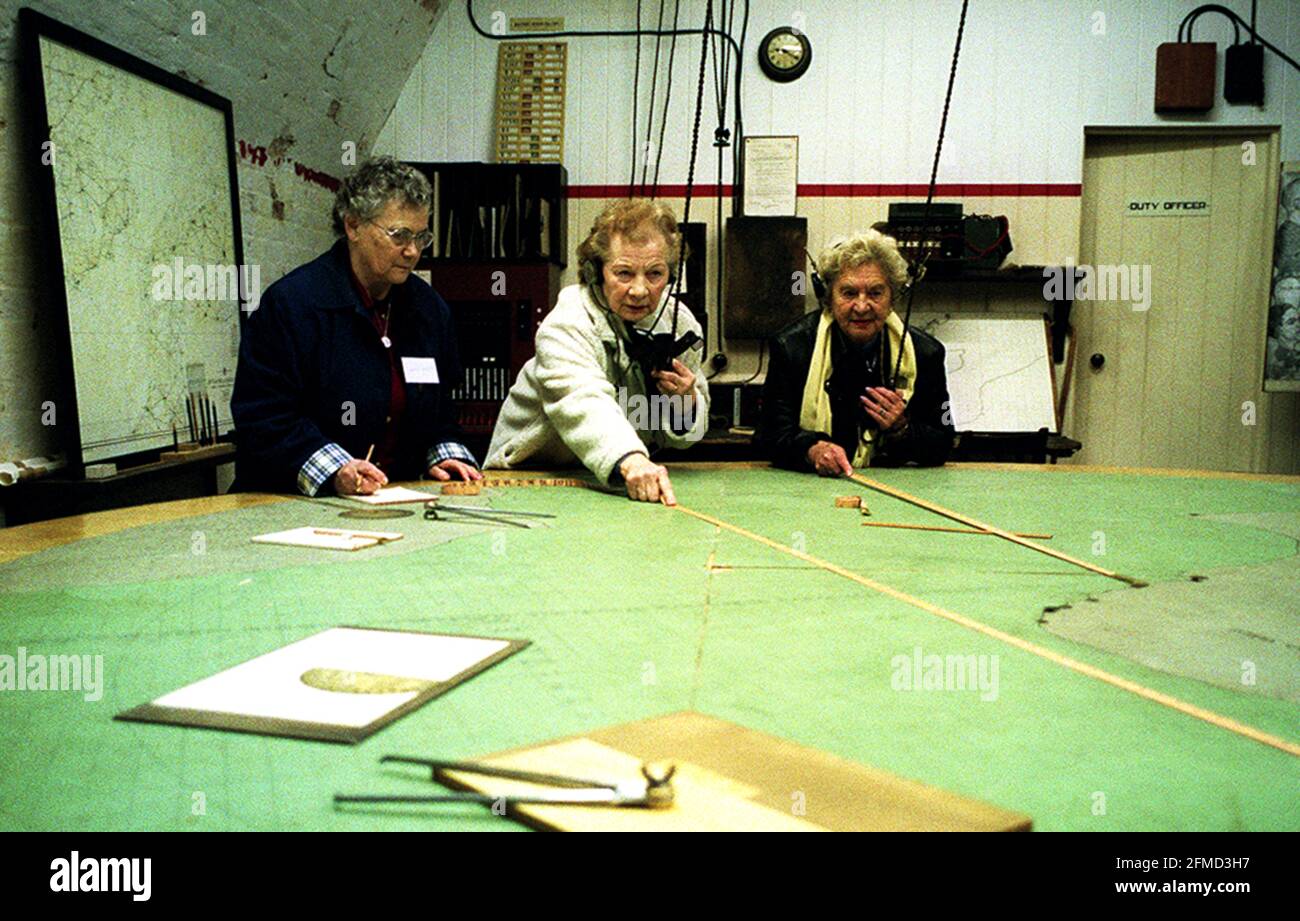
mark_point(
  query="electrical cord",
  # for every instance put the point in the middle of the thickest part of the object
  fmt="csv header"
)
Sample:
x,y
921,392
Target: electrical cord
x,y
636,95
1190,20
929,198
618,33
705,33
654,85
690,171
762,349
668,95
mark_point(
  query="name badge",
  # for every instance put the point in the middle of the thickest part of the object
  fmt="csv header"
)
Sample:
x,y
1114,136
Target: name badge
x,y
420,370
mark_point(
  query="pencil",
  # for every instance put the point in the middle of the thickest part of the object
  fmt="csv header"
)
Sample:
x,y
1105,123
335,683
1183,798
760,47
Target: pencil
x,y
189,411
216,421
370,452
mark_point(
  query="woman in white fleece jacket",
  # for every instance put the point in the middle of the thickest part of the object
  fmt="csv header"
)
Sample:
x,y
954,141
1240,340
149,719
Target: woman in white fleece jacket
x,y
584,398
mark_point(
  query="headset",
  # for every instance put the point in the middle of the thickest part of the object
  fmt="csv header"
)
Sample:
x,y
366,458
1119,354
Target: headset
x,y
652,351
915,272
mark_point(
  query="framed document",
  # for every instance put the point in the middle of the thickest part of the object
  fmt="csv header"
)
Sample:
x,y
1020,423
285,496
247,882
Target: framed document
x,y
771,176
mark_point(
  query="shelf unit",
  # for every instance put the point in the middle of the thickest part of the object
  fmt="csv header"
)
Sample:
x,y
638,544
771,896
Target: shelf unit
x,y
500,244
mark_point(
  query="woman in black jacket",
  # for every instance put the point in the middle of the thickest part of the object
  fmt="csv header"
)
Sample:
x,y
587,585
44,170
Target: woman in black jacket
x,y
828,405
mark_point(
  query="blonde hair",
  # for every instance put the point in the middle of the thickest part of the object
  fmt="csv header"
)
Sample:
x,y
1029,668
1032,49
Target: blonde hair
x,y
870,246
634,219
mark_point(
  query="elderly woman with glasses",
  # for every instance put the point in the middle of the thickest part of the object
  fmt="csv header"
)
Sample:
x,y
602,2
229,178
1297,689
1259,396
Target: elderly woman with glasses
x,y
831,402
343,367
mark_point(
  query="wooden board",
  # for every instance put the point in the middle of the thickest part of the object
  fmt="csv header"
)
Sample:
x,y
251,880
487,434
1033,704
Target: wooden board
x,y
531,82
730,778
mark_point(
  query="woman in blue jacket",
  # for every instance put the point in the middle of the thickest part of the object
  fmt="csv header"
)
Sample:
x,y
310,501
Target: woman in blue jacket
x,y
352,350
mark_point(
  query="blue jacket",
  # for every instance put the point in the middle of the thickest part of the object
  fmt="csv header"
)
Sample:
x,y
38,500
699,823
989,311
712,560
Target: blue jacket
x,y
313,371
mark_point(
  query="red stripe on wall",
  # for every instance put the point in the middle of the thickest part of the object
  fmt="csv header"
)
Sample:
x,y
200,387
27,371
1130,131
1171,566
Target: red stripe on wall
x,y
865,190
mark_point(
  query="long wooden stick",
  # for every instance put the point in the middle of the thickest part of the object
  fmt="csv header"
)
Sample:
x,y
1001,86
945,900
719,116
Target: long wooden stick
x,y
937,527
981,526
1083,668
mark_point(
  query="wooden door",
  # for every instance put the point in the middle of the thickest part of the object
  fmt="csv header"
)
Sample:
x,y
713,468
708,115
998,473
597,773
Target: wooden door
x,y
1180,382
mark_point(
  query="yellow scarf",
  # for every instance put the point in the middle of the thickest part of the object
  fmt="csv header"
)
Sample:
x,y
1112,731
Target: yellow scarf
x,y
815,411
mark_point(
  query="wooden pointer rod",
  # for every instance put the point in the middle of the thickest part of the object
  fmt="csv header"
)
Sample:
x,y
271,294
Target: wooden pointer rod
x,y
981,526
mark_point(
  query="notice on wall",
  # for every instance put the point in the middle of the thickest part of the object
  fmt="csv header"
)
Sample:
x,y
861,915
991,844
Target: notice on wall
x,y
771,176
1167,207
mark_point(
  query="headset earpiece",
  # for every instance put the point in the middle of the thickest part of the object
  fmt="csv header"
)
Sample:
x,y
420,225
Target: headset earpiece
x,y
818,286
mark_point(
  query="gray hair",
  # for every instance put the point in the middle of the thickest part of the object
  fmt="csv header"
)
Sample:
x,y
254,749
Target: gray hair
x,y
374,184
871,246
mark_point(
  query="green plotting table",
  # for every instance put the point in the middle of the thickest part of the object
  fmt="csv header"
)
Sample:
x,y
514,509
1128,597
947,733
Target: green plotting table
x,y
1056,692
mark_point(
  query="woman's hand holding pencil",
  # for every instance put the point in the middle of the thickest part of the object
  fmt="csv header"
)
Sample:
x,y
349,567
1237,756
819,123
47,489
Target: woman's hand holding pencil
x,y
359,477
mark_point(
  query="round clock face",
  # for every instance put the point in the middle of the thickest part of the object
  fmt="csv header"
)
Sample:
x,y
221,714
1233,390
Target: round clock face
x,y
784,54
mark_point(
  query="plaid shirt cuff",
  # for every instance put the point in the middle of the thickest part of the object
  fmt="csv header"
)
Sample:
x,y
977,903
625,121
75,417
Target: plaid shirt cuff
x,y
320,467
450,450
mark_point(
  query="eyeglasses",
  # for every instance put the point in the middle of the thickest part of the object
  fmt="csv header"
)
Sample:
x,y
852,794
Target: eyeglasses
x,y
402,237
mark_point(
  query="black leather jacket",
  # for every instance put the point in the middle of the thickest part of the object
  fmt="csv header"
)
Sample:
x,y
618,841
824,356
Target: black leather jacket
x,y
926,441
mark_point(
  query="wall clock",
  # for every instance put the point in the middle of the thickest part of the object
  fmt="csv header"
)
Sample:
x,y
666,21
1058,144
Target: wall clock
x,y
784,54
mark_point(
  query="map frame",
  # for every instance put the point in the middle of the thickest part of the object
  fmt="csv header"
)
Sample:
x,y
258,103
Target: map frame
x,y
33,28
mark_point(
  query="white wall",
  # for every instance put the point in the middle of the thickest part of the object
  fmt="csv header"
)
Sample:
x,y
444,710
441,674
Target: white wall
x,y
1032,74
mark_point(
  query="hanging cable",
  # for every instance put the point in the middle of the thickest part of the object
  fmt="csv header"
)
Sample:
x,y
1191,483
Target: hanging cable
x,y
654,85
668,96
690,170
636,94
706,32
737,154
1190,20
618,33
929,198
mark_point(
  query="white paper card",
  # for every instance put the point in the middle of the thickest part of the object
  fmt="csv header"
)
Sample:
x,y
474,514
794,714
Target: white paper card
x,y
392,495
327,538
420,370
271,685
